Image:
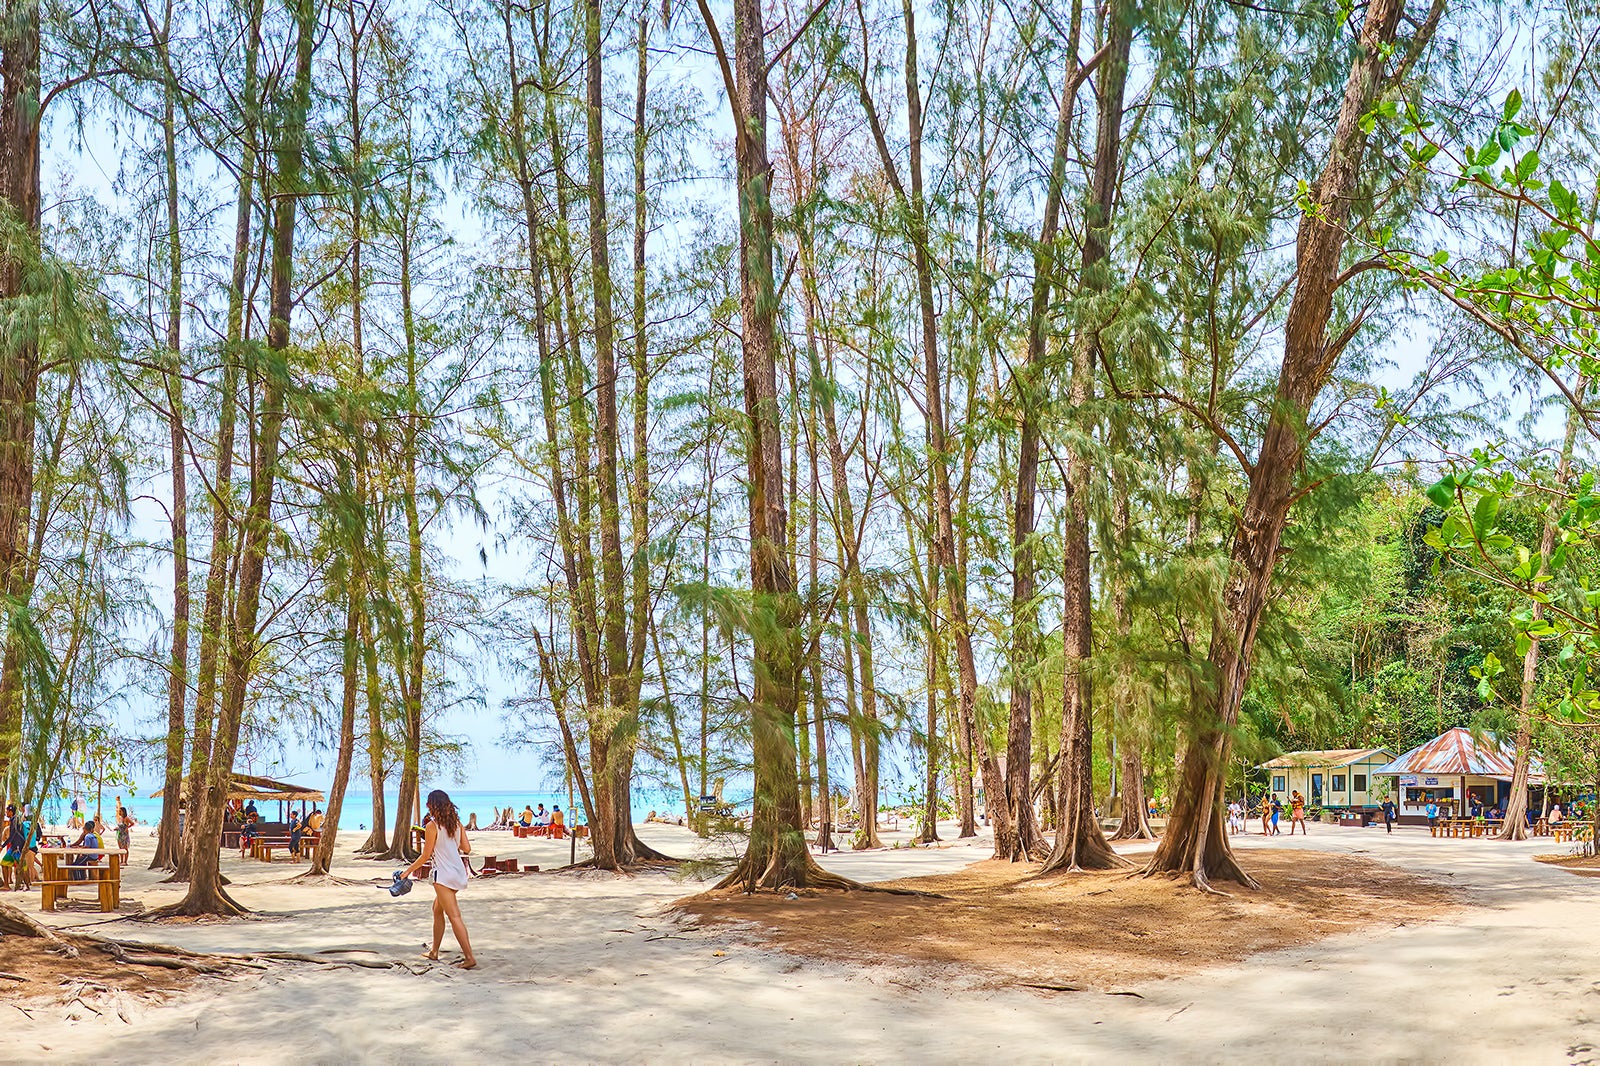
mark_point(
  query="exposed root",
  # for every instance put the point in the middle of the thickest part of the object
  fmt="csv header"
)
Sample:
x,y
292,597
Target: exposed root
x,y
309,878
1138,830
18,923
643,852
222,906
811,876
624,870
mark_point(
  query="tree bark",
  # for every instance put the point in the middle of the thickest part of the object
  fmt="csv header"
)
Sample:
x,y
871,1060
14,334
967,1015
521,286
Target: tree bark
x,y
1080,843
953,575
167,836
1515,826
1196,842
205,895
414,649
355,631
777,856
217,594
19,361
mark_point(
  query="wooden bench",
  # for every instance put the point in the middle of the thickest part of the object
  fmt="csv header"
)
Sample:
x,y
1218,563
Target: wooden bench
x,y
1562,832
262,847
57,876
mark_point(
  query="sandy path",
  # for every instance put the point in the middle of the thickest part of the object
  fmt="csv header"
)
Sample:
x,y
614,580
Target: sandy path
x,y
581,969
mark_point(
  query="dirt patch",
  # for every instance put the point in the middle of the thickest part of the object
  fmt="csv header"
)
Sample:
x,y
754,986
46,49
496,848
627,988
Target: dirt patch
x,y
1582,865
52,977
1090,931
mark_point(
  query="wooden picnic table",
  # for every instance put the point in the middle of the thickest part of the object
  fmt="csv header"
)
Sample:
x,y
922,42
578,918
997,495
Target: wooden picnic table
x,y
57,878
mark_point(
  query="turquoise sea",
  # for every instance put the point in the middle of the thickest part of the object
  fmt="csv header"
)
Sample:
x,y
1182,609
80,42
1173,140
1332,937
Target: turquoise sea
x,y
357,814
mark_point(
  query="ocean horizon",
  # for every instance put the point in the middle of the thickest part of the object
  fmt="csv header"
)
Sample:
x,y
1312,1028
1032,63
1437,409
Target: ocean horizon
x,y
357,813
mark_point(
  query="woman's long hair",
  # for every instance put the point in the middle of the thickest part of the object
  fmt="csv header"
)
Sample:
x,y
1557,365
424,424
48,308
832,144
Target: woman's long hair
x,y
444,812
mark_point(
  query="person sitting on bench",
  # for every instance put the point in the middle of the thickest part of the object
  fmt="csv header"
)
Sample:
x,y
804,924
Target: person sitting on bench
x,y
87,839
527,817
541,816
250,831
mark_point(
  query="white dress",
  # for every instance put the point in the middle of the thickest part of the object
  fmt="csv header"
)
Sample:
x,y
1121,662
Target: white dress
x,y
449,869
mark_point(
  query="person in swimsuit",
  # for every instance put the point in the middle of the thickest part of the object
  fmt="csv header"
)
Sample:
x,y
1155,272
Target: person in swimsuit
x,y
1297,813
124,827
445,844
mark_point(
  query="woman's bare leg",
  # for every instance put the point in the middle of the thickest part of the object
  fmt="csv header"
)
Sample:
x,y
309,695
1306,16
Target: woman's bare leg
x,y
438,921
458,925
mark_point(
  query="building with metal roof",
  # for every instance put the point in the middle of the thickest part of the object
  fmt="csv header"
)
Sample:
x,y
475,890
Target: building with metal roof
x,y
1453,770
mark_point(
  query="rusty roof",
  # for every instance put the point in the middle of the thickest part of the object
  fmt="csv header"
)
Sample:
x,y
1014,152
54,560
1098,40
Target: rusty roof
x,y
1326,757
1456,751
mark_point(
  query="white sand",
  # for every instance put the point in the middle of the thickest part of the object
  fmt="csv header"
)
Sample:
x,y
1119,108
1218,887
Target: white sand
x,y
589,968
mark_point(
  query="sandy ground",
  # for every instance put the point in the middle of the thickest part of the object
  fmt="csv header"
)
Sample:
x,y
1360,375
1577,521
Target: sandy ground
x,y
1104,931
592,968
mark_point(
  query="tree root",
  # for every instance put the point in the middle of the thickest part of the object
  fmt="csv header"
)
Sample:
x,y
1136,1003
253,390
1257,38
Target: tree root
x,y
1140,831
18,923
813,876
224,906
309,878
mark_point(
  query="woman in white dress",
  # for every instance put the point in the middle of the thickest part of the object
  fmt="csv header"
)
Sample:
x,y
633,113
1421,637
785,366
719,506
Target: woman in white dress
x,y
444,846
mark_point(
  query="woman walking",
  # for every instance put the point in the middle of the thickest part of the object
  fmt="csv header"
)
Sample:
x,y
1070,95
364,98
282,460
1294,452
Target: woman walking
x,y
444,846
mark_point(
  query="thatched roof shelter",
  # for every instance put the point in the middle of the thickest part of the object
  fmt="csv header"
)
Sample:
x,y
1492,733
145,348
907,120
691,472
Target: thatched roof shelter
x,y
262,790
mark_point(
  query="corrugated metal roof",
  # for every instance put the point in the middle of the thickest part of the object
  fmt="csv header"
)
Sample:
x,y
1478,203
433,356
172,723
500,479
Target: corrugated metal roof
x,y
1456,752
1327,757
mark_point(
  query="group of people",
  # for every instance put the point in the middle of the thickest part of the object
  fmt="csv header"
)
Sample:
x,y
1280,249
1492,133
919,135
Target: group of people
x,y
19,848
251,826
1271,815
540,819
21,836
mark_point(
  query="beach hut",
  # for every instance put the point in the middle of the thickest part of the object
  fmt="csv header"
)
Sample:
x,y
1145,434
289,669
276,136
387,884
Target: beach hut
x,y
1452,769
1335,779
246,788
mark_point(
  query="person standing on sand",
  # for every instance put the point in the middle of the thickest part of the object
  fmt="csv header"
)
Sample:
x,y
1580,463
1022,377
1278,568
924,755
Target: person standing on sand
x,y
1432,811
1297,813
1390,813
124,826
445,844
1277,812
1266,816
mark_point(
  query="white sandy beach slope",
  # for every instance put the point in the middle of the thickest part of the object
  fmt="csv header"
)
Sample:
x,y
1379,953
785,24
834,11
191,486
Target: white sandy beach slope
x,y
592,968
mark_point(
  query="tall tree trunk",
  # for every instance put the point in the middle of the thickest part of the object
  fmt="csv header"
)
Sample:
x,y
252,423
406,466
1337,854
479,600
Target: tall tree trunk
x,y
1515,826
205,895
929,833
1080,843
953,575
1196,841
608,720
167,836
377,842
19,361
415,645
777,856
571,532
218,571
630,848
355,631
